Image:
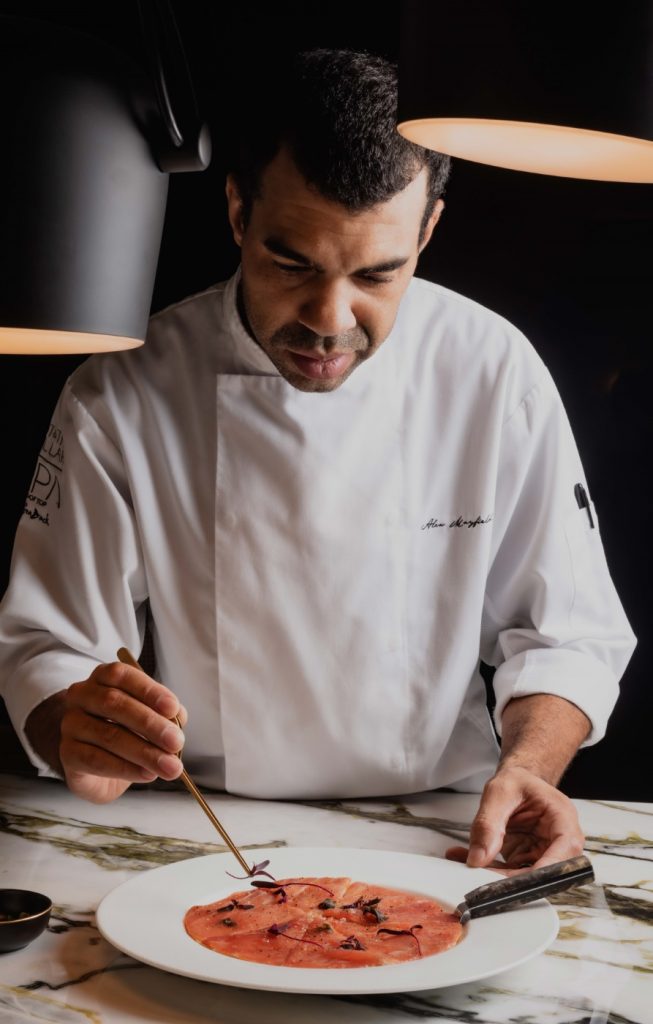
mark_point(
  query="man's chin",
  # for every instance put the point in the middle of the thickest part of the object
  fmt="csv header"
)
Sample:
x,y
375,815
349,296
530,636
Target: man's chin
x,y
311,384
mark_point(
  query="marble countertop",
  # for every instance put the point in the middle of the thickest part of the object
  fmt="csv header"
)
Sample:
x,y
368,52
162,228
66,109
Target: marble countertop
x,y
598,970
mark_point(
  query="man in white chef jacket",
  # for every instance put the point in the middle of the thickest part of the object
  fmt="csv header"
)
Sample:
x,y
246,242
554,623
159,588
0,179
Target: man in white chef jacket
x,y
337,487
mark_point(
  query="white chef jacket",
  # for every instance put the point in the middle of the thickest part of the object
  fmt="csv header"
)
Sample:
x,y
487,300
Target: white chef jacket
x,y
323,570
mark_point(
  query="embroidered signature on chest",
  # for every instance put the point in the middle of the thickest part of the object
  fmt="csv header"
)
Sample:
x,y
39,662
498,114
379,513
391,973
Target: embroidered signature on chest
x,y
459,523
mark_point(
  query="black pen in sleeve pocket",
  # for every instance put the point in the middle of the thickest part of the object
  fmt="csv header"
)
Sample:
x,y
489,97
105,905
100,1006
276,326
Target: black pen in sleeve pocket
x,y
584,502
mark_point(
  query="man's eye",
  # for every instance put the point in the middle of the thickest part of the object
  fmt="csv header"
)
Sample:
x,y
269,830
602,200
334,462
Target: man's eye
x,y
290,268
376,278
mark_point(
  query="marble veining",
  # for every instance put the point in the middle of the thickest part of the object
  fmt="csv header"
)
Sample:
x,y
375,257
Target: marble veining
x,y
114,848
599,970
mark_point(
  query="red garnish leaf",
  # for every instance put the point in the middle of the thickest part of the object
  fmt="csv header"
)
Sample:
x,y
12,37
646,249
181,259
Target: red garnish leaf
x,y
403,931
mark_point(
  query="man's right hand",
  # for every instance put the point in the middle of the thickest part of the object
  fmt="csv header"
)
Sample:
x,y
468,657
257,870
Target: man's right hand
x,y
109,731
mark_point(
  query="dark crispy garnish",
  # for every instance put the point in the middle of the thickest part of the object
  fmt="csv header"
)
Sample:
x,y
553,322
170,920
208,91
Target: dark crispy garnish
x,y
280,929
377,914
361,904
404,931
326,905
351,942
228,922
323,928
368,907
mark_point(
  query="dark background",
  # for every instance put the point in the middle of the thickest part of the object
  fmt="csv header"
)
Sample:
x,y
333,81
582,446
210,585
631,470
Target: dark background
x,y
567,261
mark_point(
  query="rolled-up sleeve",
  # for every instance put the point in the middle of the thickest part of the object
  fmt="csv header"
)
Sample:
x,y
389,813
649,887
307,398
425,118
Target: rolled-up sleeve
x,y
77,583
552,620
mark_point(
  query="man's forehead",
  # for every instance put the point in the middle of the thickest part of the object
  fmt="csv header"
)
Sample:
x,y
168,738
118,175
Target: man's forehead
x,y
294,215
284,189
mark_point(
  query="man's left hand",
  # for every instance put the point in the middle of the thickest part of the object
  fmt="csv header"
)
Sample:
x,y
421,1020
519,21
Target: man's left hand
x,y
524,818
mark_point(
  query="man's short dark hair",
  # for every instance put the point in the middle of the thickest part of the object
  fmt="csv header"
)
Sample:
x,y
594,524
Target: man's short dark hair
x,y
336,113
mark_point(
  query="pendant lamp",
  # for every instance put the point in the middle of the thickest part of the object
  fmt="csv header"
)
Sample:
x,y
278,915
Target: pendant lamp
x,y
89,139
560,89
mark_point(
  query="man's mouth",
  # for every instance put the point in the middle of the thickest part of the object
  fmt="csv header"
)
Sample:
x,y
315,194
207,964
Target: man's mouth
x,y
322,367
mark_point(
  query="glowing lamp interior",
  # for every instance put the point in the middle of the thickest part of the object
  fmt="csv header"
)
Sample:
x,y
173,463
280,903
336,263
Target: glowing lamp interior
x,y
540,148
27,341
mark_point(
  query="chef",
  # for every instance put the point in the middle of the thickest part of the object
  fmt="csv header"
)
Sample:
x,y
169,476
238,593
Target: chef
x,y
333,488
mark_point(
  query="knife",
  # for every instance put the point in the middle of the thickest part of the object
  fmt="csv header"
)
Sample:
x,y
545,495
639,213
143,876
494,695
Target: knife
x,y
514,891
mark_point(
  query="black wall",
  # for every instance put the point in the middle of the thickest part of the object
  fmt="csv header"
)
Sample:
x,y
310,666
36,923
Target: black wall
x,y
567,261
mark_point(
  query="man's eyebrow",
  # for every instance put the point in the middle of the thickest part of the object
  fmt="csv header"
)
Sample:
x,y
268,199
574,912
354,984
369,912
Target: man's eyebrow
x,y
385,267
279,248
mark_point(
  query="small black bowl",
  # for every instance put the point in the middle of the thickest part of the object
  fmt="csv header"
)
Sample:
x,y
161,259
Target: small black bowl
x,y
23,916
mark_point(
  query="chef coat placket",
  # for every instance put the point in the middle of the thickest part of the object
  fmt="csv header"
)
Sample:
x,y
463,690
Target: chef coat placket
x,y
310,603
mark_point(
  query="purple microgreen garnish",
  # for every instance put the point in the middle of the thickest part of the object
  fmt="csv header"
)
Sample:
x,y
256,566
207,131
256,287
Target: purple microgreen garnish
x,y
234,905
313,884
275,888
280,890
256,869
280,929
404,931
351,942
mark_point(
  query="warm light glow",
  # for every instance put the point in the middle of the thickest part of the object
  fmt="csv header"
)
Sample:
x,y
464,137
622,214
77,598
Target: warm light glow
x,y
541,148
24,341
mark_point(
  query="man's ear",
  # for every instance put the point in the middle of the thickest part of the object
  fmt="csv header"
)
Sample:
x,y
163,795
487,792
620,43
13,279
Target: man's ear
x,y
432,221
235,209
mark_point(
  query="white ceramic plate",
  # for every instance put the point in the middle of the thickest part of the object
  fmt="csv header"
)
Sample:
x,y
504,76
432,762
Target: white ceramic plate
x,y
144,918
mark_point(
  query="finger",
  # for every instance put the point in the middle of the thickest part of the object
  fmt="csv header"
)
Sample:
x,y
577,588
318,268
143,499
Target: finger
x,y
561,848
118,705
83,735
84,758
499,800
458,853
138,685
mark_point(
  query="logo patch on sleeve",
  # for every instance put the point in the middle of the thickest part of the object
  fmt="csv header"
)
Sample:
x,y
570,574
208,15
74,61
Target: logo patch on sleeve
x,y
45,488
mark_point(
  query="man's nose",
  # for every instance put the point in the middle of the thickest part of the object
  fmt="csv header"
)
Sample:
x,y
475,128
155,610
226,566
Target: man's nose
x,y
328,310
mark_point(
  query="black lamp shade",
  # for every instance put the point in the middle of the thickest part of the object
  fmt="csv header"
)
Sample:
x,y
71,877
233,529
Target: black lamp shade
x,y
82,199
486,81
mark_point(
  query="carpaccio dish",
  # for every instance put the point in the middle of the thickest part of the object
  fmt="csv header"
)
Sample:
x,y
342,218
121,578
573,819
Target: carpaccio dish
x,y
323,922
